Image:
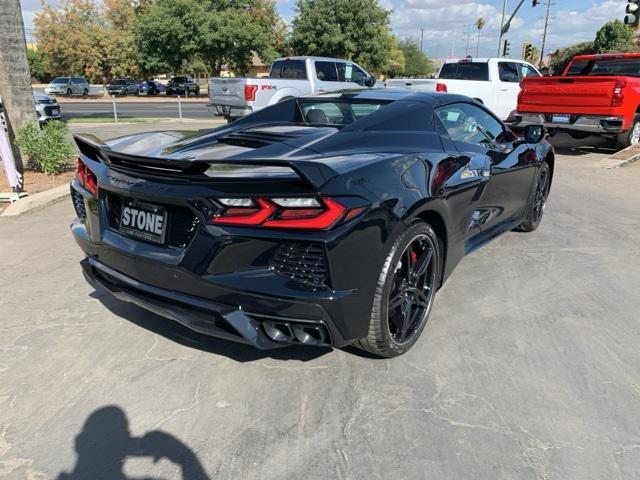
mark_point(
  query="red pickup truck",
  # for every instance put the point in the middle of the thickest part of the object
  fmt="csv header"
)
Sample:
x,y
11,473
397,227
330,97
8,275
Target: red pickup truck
x,y
596,95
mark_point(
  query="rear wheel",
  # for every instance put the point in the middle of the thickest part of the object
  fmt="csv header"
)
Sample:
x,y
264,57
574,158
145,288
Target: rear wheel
x,y
537,201
197,90
631,136
69,92
405,293
85,92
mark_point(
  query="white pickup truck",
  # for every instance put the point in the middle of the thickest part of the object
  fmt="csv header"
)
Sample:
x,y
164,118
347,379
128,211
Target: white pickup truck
x,y
289,77
493,81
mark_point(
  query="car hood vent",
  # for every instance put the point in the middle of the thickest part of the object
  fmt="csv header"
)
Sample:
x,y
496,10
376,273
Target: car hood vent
x,y
262,137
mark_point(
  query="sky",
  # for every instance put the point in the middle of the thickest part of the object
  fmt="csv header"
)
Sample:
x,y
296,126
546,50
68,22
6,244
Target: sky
x,y
445,22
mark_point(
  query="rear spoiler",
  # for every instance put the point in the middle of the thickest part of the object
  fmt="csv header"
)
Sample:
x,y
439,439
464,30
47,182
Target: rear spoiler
x,y
314,172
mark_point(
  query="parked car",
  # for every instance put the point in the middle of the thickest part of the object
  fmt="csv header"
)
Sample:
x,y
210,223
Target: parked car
x,y
493,81
47,108
322,220
290,77
151,87
67,86
123,86
180,85
596,95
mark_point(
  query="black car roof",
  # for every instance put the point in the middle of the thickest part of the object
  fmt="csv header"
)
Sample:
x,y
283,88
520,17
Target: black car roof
x,y
392,94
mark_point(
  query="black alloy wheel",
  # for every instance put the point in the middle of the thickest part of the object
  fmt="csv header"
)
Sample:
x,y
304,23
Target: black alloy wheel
x,y
405,292
412,290
537,201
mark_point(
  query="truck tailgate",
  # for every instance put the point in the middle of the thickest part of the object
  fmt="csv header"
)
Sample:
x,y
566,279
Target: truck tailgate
x,y
541,94
227,91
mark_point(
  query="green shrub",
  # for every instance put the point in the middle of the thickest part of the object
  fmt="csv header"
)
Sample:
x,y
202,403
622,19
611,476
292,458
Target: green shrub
x,y
47,149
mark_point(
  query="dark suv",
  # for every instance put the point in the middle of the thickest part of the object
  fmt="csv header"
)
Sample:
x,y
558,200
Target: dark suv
x,y
182,84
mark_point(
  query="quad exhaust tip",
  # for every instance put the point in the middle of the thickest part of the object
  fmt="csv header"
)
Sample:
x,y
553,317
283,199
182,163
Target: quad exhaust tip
x,y
296,333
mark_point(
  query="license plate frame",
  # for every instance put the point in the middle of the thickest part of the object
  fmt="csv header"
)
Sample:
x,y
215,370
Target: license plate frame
x,y
139,220
560,118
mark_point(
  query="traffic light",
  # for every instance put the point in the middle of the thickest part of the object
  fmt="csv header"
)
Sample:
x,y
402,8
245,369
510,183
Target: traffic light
x,y
527,52
633,13
506,48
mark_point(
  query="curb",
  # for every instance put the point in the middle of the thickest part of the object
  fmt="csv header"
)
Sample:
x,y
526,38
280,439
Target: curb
x,y
622,158
36,200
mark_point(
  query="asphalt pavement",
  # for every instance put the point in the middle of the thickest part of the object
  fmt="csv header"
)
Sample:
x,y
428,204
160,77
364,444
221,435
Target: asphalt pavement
x,y
529,367
167,108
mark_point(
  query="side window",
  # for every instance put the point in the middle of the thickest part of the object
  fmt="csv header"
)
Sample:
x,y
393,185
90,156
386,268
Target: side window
x,y
508,72
326,71
468,123
78,80
348,72
528,71
276,69
294,70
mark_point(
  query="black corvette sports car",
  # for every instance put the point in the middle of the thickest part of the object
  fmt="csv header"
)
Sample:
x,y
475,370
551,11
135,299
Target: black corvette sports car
x,y
324,220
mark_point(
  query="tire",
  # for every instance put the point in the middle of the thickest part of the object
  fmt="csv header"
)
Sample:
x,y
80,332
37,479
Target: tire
x,y
418,246
137,92
69,92
631,136
85,92
579,135
537,201
197,90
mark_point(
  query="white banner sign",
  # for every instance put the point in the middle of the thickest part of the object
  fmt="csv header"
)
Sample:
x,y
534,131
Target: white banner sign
x,y
13,176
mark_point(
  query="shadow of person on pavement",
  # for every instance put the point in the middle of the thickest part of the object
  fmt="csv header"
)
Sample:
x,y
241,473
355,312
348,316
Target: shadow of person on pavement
x,y
105,443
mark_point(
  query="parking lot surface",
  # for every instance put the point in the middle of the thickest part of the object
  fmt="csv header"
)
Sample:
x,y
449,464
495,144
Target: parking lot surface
x,y
529,367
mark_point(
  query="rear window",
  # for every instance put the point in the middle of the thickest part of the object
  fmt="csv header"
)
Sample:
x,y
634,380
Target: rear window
x,y
289,69
606,66
337,112
465,71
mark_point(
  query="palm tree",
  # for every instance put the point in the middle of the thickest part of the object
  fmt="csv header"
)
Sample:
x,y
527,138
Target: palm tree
x,y
480,23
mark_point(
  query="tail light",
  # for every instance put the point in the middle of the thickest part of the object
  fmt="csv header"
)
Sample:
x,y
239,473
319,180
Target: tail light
x,y
441,87
86,177
618,96
296,213
521,94
250,92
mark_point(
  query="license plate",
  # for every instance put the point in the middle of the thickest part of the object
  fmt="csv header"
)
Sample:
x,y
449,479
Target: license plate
x,y
143,220
55,111
560,118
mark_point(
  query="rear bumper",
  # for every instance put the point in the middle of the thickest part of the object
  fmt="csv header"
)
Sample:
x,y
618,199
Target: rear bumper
x,y
230,110
595,124
214,319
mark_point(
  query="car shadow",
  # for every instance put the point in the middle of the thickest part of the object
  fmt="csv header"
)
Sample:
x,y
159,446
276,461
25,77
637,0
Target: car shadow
x,y
178,333
565,145
105,442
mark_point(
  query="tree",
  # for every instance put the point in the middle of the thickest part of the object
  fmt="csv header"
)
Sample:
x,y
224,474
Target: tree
x,y
215,32
614,36
416,63
82,38
37,66
561,58
396,63
353,29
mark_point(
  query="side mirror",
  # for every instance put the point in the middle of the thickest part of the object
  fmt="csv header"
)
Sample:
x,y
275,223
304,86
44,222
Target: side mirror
x,y
534,133
370,81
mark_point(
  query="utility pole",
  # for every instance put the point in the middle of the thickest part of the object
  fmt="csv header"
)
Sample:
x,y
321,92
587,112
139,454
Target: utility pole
x,y
453,39
421,39
15,77
544,35
504,11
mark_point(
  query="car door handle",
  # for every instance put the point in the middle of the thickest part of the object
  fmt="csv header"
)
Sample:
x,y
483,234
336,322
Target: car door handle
x,y
504,90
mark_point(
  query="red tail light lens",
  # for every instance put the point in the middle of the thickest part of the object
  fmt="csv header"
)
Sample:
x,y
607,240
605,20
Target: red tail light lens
x,y
294,213
441,87
86,177
250,92
618,96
